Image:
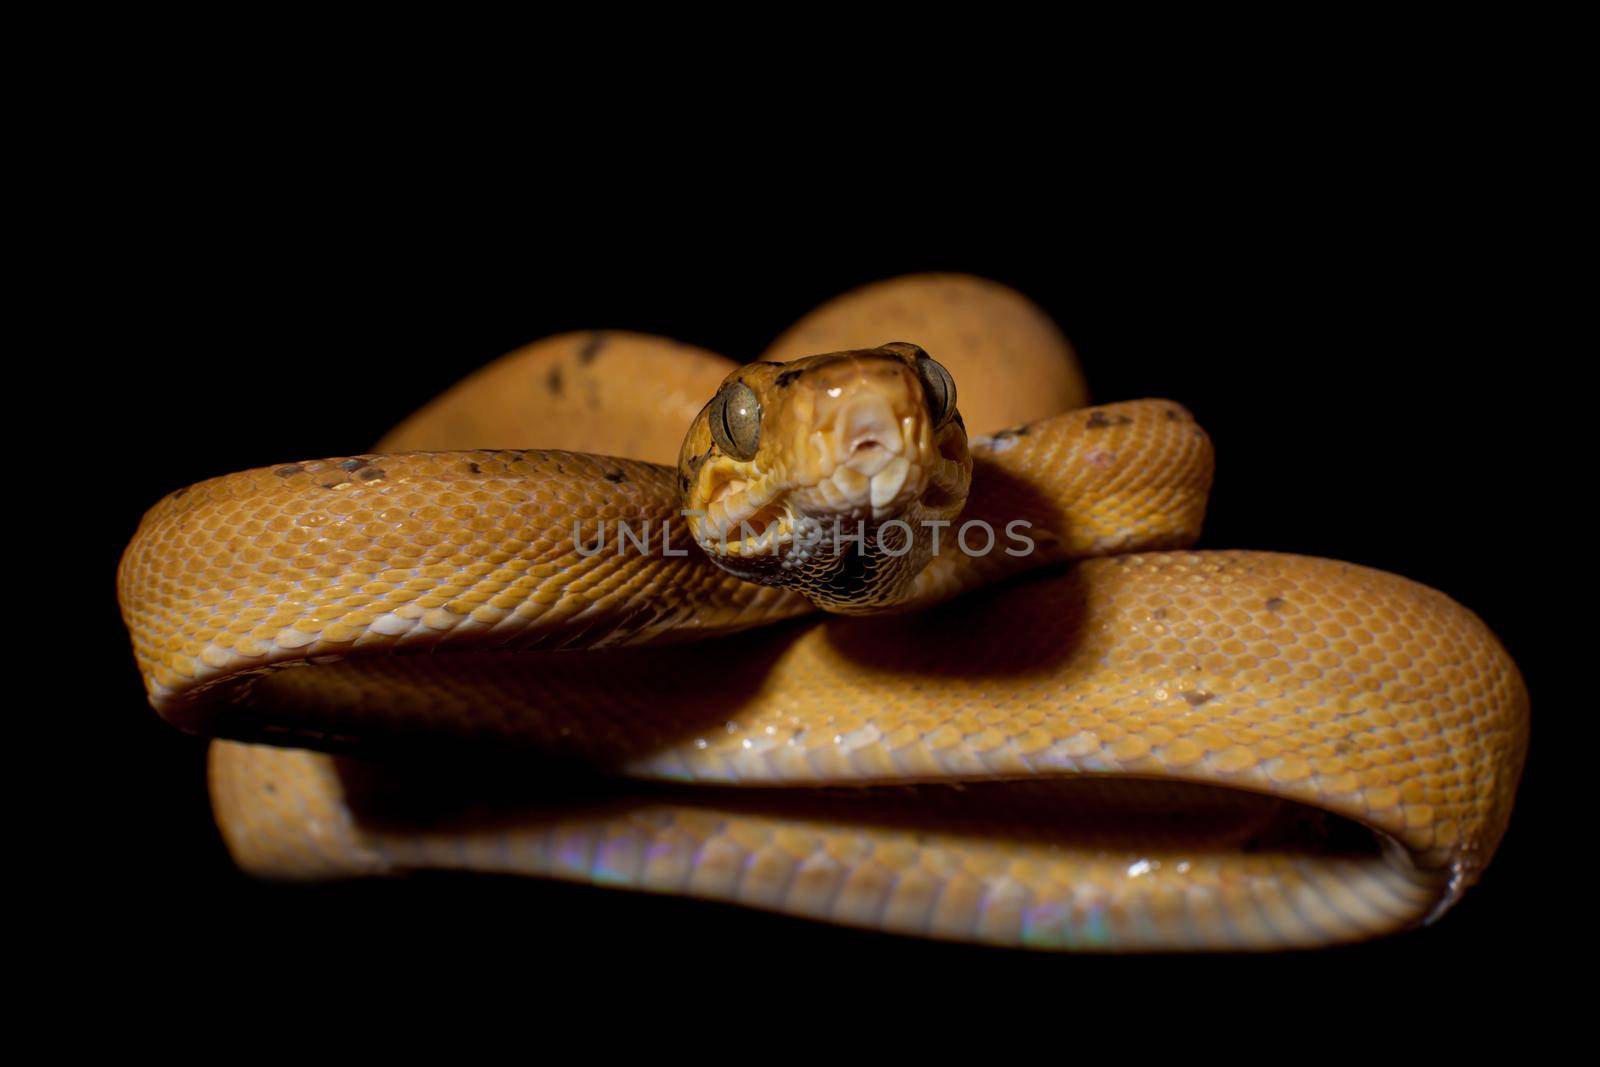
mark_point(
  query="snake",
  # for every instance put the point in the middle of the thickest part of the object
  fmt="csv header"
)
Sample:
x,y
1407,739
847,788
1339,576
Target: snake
x,y
1010,705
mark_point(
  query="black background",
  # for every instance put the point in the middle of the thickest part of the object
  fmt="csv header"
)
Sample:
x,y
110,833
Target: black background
x,y
1341,337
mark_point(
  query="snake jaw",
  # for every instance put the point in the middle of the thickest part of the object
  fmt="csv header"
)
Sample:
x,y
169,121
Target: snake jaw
x,y
740,498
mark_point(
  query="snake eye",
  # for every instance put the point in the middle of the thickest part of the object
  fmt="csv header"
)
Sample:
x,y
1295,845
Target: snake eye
x,y
735,420
938,387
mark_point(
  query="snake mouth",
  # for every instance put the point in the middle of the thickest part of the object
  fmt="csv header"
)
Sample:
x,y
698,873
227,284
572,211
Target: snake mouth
x,y
874,482
741,524
872,464
877,484
765,530
744,514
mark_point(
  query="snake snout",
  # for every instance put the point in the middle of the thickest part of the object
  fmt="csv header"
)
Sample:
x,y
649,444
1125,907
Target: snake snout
x,y
866,444
870,435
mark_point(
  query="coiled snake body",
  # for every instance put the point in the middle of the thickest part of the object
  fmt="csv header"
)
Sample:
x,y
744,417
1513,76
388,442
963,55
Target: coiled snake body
x,y
1112,744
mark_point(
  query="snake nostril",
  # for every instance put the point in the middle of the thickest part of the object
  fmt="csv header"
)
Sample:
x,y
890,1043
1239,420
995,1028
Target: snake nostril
x,y
864,445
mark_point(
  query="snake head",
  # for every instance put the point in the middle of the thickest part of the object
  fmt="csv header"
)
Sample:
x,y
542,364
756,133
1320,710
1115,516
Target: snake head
x,y
785,452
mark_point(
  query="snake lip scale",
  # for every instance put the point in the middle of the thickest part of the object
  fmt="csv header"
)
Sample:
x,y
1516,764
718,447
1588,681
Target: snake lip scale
x,y
1110,743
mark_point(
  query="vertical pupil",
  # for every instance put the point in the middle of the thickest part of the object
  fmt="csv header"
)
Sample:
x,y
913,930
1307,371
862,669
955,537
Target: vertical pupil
x,y
734,420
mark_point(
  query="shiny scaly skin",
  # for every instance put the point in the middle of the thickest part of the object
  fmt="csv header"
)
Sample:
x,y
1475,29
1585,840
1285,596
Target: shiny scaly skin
x,y
238,576
1121,477
575,391
424,550
1266,673
1011,363
1308,698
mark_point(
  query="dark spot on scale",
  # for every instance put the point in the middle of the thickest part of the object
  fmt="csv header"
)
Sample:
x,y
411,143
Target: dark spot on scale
x,y
290,471
1098,420
1172,415
372,474
683,480
1275,603
474,468
270,787
353,464
1159,613
591,348
560,469
1197,697
615,476
787,378
552,381
178,494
